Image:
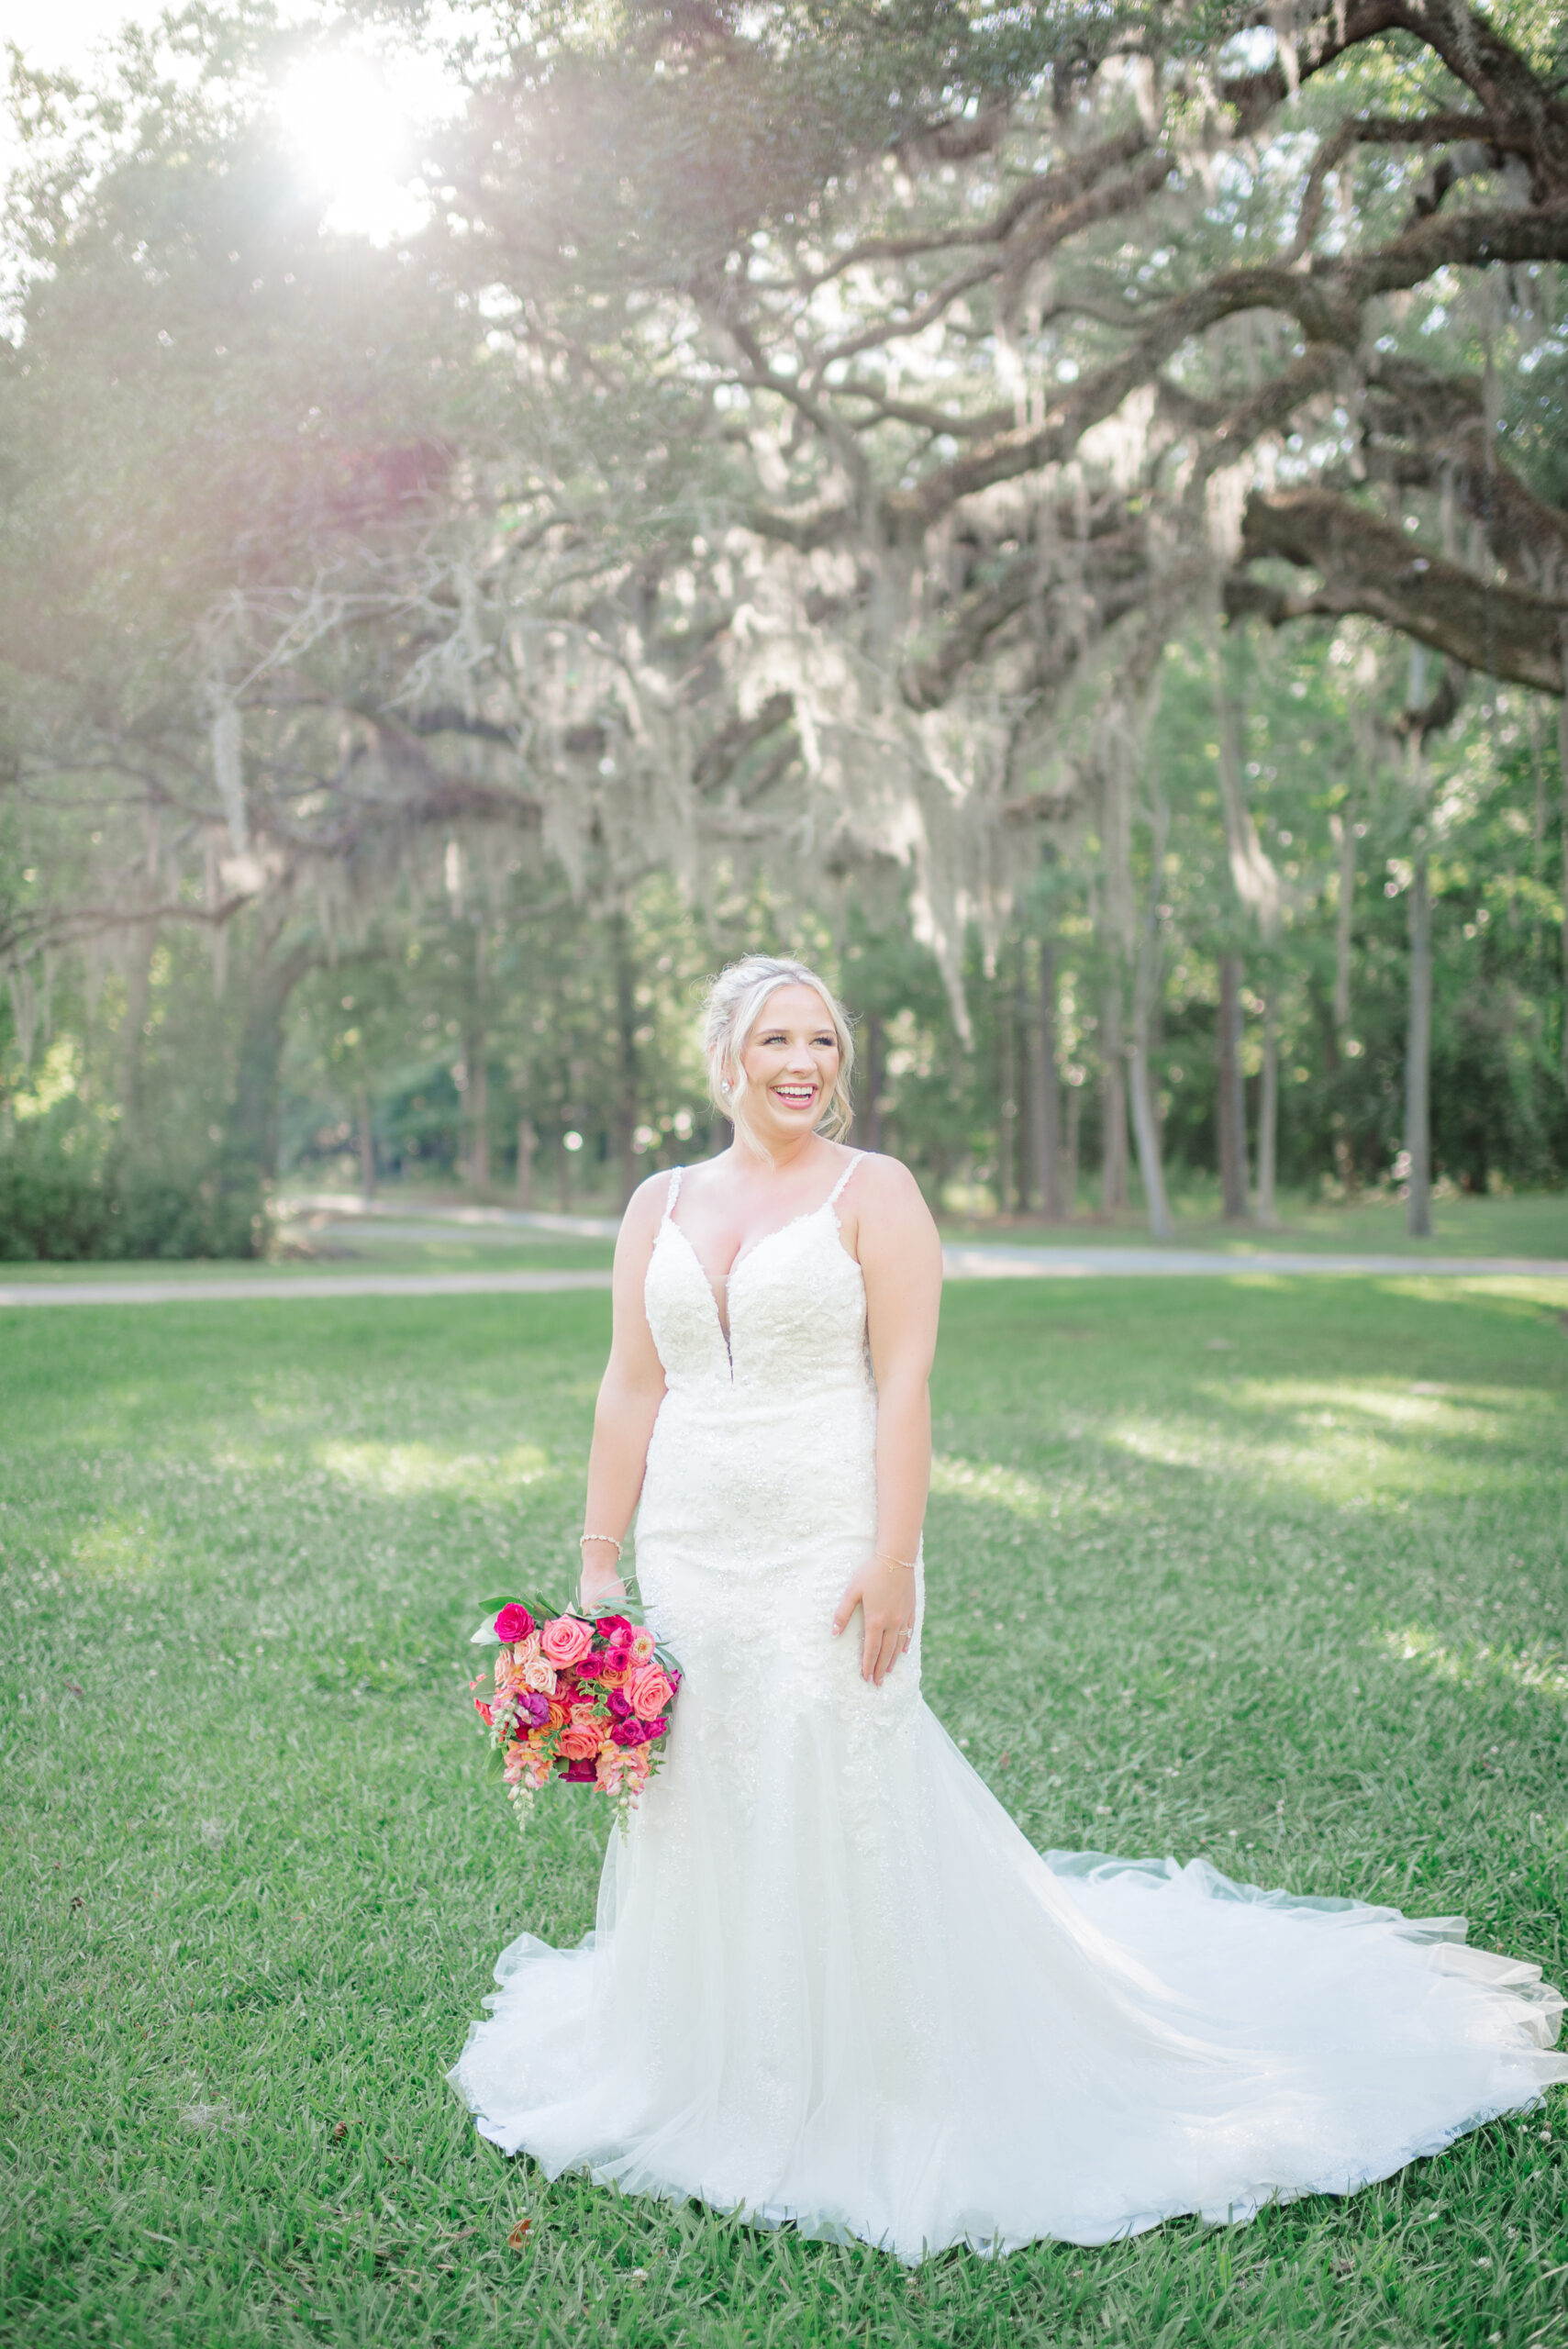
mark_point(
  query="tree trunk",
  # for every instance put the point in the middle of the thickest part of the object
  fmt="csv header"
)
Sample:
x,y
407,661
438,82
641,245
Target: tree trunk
x,y
1264,1210
477,1052
1112,1102
1344,832
875,1063
133,1040
1009,1188
563,1171
1045,1091
528,1142
628,1091
1145,1117
367,1145
1070,1173
1146,1132
253,1121
1562,768
1418,1055
1233,1101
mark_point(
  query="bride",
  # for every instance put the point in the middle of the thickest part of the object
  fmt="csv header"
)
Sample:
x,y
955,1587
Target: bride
x,y
832,1982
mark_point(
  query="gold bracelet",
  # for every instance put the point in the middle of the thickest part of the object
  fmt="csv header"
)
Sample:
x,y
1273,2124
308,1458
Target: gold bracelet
x,y
909,1564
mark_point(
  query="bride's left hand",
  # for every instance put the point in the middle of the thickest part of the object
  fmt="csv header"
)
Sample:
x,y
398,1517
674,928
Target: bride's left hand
x,y
885,1596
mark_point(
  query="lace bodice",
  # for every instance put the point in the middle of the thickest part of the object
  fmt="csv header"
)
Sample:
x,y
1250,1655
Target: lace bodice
x,y
797,1314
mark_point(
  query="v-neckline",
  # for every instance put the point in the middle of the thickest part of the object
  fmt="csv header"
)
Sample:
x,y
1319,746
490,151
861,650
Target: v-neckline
x,y
807,1215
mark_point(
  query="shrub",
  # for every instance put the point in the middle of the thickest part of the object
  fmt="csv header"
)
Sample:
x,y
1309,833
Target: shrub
x,y
66,1205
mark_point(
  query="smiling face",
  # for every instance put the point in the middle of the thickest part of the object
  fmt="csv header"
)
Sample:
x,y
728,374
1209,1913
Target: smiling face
x,y
791,1062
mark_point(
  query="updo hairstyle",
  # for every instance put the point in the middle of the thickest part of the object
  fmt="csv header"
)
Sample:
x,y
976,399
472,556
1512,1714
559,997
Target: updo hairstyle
x,y
734,1002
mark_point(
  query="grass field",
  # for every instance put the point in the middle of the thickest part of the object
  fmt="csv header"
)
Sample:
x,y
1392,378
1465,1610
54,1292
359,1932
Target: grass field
x,y
1533,1225
1284,1565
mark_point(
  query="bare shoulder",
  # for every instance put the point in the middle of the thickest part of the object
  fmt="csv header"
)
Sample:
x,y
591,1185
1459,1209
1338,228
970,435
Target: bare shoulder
x,y
888,1200
645,1211
889,1181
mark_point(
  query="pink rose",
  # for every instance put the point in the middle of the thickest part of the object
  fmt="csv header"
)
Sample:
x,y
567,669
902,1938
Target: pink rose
x,y
540,1675
514,1622
565,1640
524,1651
650,1691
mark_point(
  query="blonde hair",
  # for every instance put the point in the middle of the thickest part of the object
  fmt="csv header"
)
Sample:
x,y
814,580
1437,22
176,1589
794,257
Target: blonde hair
x,y
733,1005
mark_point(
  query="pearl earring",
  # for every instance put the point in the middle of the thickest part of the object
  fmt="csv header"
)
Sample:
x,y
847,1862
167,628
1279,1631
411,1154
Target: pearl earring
x,y
725,1086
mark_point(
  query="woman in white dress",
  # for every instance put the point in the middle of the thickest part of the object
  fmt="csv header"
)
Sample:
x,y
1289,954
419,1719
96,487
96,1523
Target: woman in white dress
x,y
832,1982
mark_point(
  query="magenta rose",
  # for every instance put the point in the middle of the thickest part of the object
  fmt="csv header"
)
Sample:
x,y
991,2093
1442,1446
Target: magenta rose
x,y
580,1774
565,1641
618,1704
514,1622
650,1689
590,1667
613,1627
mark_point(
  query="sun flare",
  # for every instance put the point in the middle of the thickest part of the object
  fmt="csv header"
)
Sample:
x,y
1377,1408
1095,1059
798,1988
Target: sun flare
x,y
350,135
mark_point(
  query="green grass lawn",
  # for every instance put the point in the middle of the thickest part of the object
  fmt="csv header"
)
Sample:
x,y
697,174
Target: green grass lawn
x,y
1535,1224
1278,1567
447,1250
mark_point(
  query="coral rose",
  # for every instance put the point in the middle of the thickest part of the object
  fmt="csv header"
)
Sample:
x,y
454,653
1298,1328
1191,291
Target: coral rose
x,y
650,1691
514,1622
566,1639
579,1739
558,1715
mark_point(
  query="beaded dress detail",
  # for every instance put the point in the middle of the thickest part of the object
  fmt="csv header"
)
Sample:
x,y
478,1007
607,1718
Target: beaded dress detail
x,y
832,1983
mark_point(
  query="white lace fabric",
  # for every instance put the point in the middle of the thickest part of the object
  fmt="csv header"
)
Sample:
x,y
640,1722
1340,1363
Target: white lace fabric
x,y
832,1983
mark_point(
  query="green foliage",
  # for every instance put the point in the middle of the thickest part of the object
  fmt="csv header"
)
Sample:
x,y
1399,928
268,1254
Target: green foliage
x,y
62,1200
1280,1568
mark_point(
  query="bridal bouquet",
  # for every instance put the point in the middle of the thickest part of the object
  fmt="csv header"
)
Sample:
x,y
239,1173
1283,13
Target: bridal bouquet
x,y
581,1698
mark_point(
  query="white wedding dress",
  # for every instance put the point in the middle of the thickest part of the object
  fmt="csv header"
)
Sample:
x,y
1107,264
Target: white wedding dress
x,y
831,1981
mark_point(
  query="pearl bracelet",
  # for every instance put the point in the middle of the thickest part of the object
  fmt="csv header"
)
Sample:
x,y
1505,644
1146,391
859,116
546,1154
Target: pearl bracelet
x,y
583,1540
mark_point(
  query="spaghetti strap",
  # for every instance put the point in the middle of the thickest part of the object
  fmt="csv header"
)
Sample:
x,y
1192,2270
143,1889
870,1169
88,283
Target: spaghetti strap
x,y
837,1192
671,1195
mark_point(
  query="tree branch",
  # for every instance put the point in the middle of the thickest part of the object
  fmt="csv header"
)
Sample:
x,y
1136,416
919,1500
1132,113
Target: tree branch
x,y
1367,566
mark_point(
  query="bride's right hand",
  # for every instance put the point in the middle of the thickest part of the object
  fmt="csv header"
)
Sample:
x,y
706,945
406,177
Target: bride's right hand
x,y
885,1596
